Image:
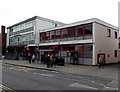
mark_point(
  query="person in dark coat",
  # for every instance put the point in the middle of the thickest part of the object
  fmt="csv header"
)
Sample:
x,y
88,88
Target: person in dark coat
x,y
100,62
29,57
48,60
51,60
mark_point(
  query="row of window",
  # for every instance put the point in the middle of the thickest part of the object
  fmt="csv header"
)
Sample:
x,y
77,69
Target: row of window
x,y
109,33
22,31
67,39
23,26
22,43
67,32
82,50
83,57
20,39
79,54
87,47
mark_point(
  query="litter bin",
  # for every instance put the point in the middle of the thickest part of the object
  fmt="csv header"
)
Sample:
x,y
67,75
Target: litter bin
x,y
61,61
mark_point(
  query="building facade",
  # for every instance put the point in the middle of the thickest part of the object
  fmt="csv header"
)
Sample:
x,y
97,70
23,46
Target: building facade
x,y
81,42
27,32
119,50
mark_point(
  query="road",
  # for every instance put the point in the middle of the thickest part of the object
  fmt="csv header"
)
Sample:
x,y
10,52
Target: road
x,y
22,78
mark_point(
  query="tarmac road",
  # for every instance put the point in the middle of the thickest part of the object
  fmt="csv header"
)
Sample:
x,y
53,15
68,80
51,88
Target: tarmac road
x,y
22,78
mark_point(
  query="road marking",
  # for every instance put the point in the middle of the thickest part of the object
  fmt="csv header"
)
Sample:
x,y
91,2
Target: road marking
x,y
82,86
6,88
110,88
47,75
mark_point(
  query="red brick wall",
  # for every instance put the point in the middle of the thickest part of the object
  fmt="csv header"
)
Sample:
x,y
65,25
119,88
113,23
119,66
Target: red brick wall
x,y
0,43
3,39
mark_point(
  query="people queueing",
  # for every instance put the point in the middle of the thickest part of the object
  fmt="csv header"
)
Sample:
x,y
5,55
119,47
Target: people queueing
x,y
100,61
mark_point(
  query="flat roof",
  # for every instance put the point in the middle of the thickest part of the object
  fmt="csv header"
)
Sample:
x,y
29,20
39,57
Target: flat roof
x,y
37,17
80,23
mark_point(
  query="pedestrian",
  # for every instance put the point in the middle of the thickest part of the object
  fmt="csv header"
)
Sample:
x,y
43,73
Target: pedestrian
x,y
100,61
51,60
75,59
54,61
48,60
29,57
33,58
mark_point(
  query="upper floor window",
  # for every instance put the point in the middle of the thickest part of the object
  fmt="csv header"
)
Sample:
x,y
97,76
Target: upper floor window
x,y
52,35
43,36
115,53
88,28
108,33
64,33
57,34
116,35
79,31
71,32
47,36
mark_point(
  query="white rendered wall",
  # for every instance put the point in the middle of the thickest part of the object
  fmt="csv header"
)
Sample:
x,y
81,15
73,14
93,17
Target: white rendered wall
x,y
104,44
119,56
41,25
7,44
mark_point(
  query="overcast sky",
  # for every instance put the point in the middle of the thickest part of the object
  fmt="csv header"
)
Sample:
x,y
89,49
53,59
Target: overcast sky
x,y
66,11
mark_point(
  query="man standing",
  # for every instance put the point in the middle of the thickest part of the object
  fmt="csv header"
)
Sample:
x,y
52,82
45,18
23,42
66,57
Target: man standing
x,y
100,62
48,60
29,56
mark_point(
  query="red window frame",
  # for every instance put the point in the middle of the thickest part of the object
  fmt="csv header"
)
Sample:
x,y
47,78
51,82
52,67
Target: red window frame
x,y
74,50
55,34
74,28
86,26
44,33
71,28
82,31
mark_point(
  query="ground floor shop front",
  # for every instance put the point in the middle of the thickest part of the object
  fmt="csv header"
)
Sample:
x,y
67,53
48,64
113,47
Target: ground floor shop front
x,y
71,53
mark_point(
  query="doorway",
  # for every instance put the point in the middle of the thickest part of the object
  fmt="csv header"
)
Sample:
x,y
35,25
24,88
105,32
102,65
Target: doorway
x,y
102,55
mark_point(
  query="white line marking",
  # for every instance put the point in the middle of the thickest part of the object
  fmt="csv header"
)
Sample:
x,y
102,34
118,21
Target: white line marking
x,y
82,86
47,75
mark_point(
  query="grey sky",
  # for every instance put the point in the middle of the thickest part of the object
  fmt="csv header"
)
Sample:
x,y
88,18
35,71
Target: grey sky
x,y
66,11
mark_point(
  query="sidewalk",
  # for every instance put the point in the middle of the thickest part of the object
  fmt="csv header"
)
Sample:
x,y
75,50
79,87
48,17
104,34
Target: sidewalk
x,y
109,71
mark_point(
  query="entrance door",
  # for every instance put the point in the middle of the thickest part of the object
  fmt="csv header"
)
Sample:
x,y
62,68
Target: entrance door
x,y
102,55
74,57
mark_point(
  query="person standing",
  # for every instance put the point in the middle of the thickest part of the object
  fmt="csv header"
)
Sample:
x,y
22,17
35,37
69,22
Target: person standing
x,y
48,60
51,60
100,62
29,56
33,58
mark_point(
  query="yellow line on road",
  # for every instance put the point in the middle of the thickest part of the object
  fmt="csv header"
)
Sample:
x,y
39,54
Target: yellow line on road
x,y
110,88
6,88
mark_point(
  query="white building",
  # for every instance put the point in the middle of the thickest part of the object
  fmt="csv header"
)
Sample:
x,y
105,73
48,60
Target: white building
x,y
27,32
87,40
